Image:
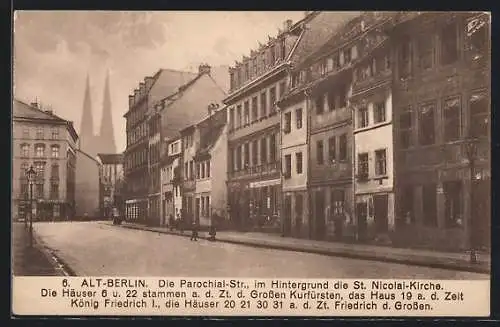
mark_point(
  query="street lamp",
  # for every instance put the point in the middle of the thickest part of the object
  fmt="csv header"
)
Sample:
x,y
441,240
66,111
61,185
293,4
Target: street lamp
x,y
31,175
471,153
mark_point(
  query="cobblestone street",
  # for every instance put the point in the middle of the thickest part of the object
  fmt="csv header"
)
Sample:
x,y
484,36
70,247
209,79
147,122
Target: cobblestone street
x,y
96,249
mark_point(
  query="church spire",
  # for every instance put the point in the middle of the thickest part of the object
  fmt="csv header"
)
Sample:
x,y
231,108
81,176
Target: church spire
x,y
87,122
107,134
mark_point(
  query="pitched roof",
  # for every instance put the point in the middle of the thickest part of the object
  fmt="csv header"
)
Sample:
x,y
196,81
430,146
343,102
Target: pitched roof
x,y
23,110
110,158
319,29
168,82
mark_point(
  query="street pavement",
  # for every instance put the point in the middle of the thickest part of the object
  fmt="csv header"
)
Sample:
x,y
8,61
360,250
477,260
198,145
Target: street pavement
x,y
96,249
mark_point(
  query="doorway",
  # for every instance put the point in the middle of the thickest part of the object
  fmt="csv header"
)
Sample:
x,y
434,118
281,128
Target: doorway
x,y
320,215
380,203
287,217
361,213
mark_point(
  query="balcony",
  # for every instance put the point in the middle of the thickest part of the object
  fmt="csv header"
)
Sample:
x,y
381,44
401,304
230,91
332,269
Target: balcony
x,y
257,171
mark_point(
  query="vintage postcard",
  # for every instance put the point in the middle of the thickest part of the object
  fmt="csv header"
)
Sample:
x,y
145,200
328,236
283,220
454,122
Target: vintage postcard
x,y
304,163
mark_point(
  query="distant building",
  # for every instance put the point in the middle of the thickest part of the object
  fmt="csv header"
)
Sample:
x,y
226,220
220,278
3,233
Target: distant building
x,y
87,198
111,172
48,144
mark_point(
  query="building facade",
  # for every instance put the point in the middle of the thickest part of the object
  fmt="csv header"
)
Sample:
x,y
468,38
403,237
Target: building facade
x,y
171,179
112,180
442,109
87,185
48,144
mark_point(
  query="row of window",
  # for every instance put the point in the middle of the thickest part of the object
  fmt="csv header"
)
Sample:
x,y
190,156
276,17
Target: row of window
x,y
248,155
38,189
174,148
39,167
449,50
39,150
256,107
40,133
337,149
203,169
452,123
374,67
258,64
203,205
332,100
288,164
287,124
364,166
136,115
136,159
137,133
154,125
154,153
379,114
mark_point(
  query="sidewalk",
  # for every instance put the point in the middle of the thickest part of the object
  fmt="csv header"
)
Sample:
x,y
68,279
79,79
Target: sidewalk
x,y
35,261
434,259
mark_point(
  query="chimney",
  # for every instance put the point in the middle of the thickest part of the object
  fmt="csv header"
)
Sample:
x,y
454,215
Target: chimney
x,y
149,82
130,101
142,88
34,104
50,112
287,25
204,69
136,95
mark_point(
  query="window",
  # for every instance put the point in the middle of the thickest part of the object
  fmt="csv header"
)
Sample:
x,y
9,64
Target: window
x,y
263,151
39,133
363,166
191,169
247,71
429,204
39,190
39,150
207,166
373,67
239,117
54,174
354,52
231,119
362,117
380,162
246,148
272,99
25,150
449,44
407,215
404,63
336,61
319,152
254,63
453,203
478,37
238,159
343,96
186,170
299,205
55,151
263,104
451,117
425,48
288,123
282,89
255,109
55,133
24,187
247,113
273,148
343,147
331,100
294,79
426,125
387,62
322,67
405,129
298,117
26,132
347,56
337,199
379,112
479,114
282,48
255,154
320,104
331,149
54,190
298,162
288,166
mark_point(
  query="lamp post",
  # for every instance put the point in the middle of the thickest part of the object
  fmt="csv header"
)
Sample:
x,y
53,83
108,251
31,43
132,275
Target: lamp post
x,y
31,174
471,153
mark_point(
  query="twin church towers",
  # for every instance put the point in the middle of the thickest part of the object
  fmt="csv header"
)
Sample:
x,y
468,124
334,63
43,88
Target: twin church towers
x,y
104,141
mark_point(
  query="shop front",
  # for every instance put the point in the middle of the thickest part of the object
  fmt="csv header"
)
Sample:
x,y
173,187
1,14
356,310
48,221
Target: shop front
x,y
136,210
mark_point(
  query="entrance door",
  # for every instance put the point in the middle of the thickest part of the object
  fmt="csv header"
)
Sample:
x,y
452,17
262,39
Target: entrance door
x,y
380,203
361,213
197,210
320,215
287,216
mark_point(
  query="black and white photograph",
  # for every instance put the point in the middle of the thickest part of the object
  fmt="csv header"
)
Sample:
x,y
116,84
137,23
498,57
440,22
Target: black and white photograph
x,y
283,144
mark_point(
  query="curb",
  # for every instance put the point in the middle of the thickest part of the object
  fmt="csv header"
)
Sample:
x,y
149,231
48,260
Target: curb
x,y
61,268
423,262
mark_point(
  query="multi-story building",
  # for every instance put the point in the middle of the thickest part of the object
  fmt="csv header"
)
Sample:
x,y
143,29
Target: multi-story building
x,y
254,172
87,185
189,148
139,140
441,104
295,108
111,166
371,100
175,110
47,143
211,173
171,179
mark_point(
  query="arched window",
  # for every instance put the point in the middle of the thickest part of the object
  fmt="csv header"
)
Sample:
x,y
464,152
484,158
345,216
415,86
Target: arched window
x,y
25,150
39,150
55,151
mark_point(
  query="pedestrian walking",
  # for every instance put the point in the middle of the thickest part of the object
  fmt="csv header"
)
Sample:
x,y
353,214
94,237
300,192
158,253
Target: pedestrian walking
x,y
194,231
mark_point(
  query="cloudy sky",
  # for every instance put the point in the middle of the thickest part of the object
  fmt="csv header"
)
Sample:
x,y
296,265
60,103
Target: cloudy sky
x,y
54,52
